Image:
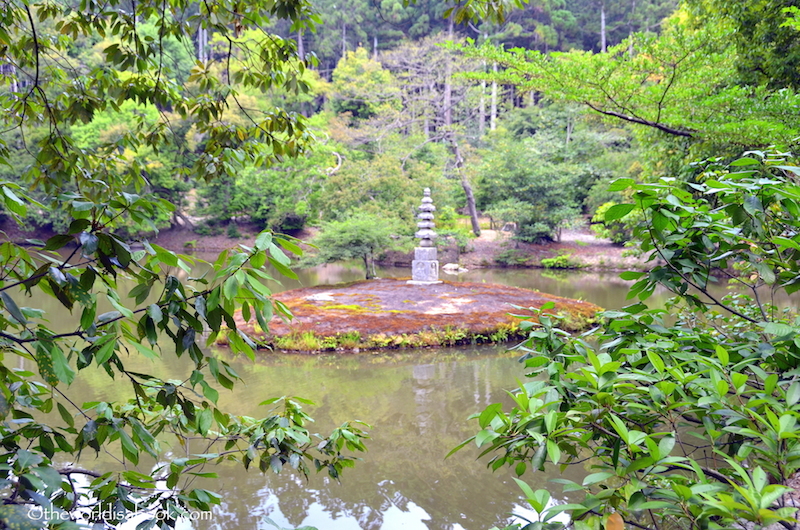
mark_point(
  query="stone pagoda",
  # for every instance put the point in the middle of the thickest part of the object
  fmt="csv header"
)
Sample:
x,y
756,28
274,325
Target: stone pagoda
x,y
425,267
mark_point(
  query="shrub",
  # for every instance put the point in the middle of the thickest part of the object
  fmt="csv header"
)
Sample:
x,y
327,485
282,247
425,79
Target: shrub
x,y
562,261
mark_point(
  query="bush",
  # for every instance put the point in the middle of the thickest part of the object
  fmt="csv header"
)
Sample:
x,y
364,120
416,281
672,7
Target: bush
x,y
562,261
233,231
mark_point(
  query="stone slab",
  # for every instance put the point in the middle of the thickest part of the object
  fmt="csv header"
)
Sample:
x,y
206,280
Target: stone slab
x,y
425,270
425,254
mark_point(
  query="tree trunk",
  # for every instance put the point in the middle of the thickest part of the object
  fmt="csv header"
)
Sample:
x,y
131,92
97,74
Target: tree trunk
x,y
482,105
301,49
448,87
630,30
473,210
344,39
375,47
202,44
603,46
482,110
570,126
493,111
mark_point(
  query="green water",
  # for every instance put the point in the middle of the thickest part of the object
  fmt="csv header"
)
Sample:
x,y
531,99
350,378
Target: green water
x,y
417,403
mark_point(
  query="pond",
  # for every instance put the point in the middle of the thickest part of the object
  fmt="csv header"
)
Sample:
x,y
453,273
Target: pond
x,y
417,402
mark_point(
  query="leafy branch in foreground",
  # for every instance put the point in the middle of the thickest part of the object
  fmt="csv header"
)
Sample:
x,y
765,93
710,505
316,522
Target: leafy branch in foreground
x,y
64,64
685,416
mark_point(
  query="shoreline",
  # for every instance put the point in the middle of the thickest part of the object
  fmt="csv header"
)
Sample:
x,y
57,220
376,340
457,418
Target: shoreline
x,y
577,249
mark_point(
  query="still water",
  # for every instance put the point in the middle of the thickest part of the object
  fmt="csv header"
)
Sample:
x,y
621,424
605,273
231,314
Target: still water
x,y
417,403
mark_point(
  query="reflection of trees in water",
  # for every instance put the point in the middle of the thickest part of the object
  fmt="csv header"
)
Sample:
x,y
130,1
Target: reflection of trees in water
x,y
418,414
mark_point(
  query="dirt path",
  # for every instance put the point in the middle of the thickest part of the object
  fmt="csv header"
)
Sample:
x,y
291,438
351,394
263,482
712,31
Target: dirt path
x,y
496,248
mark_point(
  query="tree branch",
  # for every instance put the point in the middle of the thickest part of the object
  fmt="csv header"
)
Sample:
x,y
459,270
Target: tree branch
x,y
640,121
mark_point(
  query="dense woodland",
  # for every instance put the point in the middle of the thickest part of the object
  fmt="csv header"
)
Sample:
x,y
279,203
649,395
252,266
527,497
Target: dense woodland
x,y
673,126
392,110
397,98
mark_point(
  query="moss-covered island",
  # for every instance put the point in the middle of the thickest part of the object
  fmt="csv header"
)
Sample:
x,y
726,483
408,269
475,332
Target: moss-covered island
x,y
390,313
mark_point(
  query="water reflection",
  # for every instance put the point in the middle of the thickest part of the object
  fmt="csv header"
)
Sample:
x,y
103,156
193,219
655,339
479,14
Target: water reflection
x,y
416,401
417,409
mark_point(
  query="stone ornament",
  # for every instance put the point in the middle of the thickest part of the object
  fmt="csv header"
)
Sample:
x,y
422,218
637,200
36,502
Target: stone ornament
x,y
425,266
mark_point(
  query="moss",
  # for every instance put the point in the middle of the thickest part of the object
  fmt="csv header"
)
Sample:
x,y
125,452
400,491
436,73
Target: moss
x,y
377,315
345,307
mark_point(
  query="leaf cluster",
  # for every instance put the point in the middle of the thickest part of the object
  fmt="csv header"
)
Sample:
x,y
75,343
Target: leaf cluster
x,y
685,415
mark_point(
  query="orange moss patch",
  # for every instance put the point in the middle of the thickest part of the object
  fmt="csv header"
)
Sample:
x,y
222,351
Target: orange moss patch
x,y
389,313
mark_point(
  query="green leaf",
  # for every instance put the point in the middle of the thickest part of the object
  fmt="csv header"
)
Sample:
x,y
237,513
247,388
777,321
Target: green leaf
x,y
655,360
12,308
14,203
745,161
26,459
778,329
61,365
144,350
488,414
596,478
618,211
621,184
89,243
484,437
66,416
154,311
282,269
722,355
553,451
106,350
204,421
87,316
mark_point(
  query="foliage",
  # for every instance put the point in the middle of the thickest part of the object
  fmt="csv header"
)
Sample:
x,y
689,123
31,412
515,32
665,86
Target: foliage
x,y
690,422
562,261
768,49
129,302
360,236
537,173
361,86
540,171
619,231
683,83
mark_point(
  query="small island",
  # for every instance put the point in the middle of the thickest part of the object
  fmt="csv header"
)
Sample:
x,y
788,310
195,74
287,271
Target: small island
x,y
390,313
421,311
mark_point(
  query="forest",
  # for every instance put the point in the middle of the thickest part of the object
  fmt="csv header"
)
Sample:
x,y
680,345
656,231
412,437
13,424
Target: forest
x,y
671,124
388,109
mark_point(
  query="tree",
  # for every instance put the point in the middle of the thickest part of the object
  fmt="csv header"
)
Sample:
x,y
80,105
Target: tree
x,y
683,84
539,170
691,423
768,48
135,302
360,236
362,87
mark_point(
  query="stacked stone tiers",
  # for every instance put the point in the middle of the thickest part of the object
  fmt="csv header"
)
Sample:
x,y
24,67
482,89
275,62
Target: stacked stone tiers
x,y
425,266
